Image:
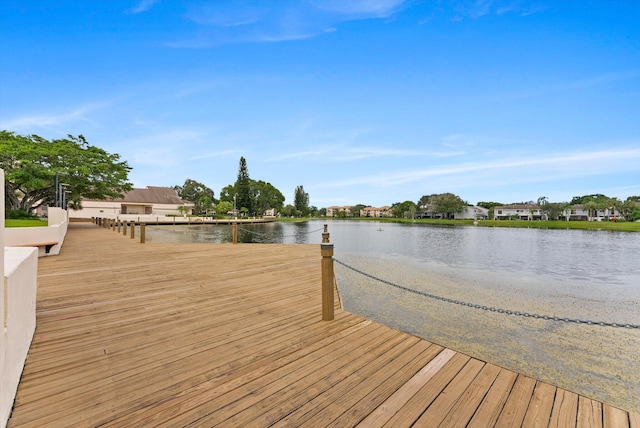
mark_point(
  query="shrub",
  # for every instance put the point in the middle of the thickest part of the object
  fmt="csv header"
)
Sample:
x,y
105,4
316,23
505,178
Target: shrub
x,y
19,214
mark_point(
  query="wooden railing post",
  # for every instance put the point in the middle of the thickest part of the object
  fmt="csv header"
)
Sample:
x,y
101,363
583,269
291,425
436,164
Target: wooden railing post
x,y
119,225
124,227
133,229
325,235
113,225
234,233
326,250
142,233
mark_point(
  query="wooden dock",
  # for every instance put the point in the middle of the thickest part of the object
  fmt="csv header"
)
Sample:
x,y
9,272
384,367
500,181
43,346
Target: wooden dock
x,y
205,335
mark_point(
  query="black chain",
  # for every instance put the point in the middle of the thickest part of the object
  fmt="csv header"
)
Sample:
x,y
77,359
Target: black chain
x,y
283,236
489,308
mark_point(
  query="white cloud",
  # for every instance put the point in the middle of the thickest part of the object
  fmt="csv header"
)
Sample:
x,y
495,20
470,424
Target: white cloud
x,y
47,121
369,8
514,170
220,154
224,21
142,6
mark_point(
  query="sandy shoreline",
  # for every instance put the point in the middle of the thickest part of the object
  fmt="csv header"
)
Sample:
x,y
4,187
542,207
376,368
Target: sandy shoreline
x,y
595,361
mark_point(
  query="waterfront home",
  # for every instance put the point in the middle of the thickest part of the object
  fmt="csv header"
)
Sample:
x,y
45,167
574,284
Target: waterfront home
x,y
152,200
469,212
335,211
376,212
472,212
528,211
578,212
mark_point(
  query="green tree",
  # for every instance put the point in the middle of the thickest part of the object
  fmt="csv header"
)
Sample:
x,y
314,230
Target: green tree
x,y
301,200
193,191
423,202
406,209
447,204
555,209
355,210
227,193
288,210
631,209
266,196
244,201
223,208
489,205
581,200
32,163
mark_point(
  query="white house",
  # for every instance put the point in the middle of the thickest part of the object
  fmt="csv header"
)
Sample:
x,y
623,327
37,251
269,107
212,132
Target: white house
x,y
472,212
578,212
529,211
152,200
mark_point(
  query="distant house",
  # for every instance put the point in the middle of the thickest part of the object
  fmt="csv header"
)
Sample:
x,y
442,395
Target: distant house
x,y
335,211
152,200
376,212
472,212
578,212
529,211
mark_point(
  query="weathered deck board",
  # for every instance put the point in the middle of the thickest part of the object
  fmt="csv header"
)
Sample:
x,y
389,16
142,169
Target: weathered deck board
x,y
132,334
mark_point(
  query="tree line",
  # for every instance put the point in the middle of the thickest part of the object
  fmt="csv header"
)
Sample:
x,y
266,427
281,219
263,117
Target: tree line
x,y
41,172
246,197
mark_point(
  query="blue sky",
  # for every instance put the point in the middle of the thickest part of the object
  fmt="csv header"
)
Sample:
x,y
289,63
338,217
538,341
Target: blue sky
x,y
370,102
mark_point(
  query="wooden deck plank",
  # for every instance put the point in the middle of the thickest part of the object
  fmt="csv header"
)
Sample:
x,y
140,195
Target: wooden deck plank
x,y
464,409
517,403
381,392
132,334
589,413
425,396
565,409
614,417
492,405
539,410
390,407
446,401
326,408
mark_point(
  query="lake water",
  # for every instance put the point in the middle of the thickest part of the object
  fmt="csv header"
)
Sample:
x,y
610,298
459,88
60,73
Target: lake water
x,y
590,275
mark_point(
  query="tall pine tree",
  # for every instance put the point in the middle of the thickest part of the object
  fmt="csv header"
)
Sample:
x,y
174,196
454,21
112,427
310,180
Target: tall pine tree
x,y
244,198
301,201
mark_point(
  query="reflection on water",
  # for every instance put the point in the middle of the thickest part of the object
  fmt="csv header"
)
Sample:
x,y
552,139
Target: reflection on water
x,y
567,273
260,233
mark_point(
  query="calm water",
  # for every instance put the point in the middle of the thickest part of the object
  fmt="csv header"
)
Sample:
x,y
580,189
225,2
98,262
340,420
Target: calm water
x,y
594,256
590,275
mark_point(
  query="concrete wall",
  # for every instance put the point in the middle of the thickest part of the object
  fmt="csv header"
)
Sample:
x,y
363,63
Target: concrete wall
x,y
55,232
19,320
109,209
18,270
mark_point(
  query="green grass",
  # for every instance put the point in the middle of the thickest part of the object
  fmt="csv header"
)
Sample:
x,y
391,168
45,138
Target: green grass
x,y
25,223
292,220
